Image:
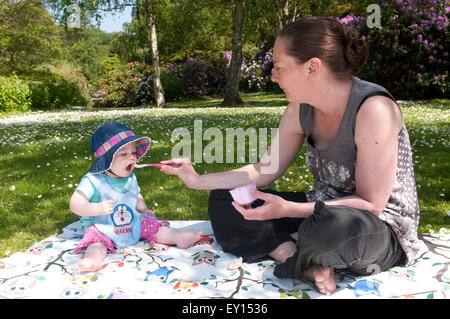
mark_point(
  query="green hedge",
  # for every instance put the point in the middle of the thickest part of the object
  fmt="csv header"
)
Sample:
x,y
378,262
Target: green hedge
x,y
15,95
49,93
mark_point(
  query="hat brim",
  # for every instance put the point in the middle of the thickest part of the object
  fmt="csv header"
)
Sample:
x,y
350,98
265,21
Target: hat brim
x,y
104,162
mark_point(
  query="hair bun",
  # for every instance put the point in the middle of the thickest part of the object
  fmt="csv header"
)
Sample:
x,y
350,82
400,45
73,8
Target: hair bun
x,y
355,51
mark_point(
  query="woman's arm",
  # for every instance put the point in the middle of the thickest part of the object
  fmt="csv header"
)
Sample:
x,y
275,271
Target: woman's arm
x,y
285,146
81,206
376,136
378,124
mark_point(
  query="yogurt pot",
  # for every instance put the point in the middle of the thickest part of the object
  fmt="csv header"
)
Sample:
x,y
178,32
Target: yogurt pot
x,y
242,196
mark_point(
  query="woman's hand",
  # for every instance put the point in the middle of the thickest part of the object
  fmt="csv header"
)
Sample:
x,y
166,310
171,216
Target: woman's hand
x,y
274,207
181,167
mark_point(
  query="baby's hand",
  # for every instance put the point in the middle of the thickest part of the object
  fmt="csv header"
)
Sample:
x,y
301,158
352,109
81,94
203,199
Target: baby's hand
x,y
106,207
149,212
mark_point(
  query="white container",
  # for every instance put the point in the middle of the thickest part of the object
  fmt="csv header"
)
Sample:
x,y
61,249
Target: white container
x,y
242,196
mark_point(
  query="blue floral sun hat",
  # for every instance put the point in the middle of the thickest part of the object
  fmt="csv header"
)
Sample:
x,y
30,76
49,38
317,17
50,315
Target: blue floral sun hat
x,y
108,139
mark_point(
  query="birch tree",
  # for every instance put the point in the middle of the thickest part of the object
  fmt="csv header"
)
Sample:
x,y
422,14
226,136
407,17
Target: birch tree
x,y
92,8
157,85
232,96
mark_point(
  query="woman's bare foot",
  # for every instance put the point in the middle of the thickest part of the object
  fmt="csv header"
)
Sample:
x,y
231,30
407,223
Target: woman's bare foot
x,y
187,239
322,277
283,251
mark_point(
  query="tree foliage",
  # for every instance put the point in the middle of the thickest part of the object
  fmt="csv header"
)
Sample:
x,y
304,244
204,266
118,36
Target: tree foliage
x,y
87,48
32,41
28,36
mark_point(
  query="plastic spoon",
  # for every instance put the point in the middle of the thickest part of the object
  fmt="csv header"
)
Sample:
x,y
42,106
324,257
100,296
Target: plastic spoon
x,y
145,165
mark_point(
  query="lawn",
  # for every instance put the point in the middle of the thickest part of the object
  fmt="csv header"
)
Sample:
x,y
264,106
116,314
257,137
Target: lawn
x,y
45,154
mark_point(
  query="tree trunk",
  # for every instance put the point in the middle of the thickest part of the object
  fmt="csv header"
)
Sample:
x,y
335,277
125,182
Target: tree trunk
x,y
159,94
232,86
282,10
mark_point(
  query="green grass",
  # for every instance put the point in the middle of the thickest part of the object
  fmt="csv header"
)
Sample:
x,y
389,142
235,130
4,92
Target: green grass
x,y
45,154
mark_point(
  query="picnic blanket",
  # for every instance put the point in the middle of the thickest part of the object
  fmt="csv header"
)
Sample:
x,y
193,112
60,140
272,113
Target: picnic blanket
x,y
45,270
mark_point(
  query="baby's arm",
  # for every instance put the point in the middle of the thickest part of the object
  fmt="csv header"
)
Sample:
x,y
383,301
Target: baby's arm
x,y
142,207
81,206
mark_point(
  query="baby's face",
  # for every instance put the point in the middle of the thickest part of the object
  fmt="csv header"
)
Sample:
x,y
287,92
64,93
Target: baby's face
x,y
124,160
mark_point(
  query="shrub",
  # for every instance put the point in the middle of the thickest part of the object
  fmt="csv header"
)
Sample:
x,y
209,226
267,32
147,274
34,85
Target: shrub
x,y
256,73
195,76
56,94
199,75
111,63
55,87
73,74
14,94
172,86
118,87
409,53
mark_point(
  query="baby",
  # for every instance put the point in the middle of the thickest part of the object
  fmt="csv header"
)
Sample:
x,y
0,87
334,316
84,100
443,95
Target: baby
x,y
113,212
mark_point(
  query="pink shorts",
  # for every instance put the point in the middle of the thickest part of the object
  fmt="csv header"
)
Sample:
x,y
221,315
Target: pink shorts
x,y
149,229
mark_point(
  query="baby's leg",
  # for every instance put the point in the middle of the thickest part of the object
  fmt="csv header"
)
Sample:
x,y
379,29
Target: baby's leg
x,y
93,257
169,236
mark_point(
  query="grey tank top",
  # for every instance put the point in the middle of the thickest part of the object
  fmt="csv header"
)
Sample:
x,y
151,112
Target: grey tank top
x,y
333,168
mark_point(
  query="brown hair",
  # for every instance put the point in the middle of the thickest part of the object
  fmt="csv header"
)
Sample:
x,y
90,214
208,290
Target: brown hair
x,y
326,39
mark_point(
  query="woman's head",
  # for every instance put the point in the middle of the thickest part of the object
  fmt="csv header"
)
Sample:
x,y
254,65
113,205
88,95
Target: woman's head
x,y
325,39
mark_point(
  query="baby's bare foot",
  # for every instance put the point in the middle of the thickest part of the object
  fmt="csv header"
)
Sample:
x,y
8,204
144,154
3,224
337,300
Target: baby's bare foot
x,y
186,240
87,265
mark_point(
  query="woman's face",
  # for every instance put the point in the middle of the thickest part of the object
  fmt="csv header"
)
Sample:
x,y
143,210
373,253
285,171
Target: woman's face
x,y
288,73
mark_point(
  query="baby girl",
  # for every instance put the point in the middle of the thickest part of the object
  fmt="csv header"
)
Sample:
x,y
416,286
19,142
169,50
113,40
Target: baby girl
x,y
108,199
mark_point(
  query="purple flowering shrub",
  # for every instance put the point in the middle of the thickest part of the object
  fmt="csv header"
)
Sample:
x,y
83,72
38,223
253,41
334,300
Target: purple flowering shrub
x,y
118,87
201,76
256,73
409,53
185,78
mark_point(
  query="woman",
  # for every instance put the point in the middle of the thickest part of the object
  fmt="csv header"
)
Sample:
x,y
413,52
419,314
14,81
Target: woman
x,y
363,213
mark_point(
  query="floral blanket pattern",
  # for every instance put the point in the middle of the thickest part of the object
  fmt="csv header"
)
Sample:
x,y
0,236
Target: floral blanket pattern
x,y
45,270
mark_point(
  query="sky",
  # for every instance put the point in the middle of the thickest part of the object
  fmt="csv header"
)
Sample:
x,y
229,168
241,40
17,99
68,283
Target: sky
x,y
113,23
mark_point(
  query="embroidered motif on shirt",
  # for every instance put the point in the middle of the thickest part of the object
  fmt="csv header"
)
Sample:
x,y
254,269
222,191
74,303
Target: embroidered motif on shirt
x,y
122,218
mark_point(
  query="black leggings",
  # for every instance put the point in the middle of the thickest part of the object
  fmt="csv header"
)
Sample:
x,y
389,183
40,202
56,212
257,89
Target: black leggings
x,y
334,236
